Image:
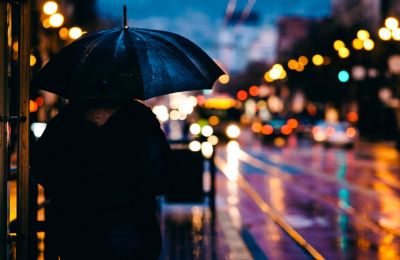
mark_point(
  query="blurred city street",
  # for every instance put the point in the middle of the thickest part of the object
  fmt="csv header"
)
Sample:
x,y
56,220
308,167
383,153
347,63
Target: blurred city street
x,y
283,119
298,202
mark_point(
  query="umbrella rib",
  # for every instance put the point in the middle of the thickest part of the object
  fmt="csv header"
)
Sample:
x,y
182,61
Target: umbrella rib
x,y
178,51
137,55
144,40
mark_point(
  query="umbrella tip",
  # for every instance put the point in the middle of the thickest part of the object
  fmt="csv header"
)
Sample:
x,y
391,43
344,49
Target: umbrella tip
x,y
125,18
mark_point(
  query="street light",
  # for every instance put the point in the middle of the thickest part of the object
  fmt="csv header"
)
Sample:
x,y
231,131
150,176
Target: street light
x,y
384,34
338,44
75,33
357,44
318,60
63,33
363,35
368,44
396,34
344,53
391,23
50,7
56,20
391,30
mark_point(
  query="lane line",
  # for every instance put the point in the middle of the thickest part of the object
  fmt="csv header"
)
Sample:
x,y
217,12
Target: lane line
x,y
368,222
274,215
237,247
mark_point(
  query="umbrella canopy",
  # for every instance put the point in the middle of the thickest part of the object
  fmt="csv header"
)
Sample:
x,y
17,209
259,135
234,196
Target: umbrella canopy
x,y
128,63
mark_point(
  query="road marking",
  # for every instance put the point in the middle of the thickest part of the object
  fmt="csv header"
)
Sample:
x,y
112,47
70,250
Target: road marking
x,y
349,210
237,247
273,214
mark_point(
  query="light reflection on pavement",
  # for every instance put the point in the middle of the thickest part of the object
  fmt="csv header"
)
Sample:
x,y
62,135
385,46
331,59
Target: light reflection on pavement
x,y
343,202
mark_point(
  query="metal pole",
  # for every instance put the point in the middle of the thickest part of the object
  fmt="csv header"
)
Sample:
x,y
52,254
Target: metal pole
x,y
4,163
23,140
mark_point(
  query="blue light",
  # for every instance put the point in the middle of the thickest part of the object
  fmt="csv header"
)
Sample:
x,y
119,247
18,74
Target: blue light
x,y
343,76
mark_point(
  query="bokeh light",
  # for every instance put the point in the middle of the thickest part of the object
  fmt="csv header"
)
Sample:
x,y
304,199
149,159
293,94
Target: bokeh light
x,y
32,60
357,44
303,60
233,131
292,64
368,44
396,34
195,146
318,60
363,35
195,129
207,131
254,91
385,34
391,23
338,44
241,95
344,53
56,20
75,33
64,32
224,79
50,7
343,76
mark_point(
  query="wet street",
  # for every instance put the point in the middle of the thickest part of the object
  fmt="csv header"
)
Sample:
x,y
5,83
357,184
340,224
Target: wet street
x,y
301,201
304,200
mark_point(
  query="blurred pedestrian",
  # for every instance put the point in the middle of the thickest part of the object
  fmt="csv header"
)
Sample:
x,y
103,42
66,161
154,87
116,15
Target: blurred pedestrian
x,y
102,162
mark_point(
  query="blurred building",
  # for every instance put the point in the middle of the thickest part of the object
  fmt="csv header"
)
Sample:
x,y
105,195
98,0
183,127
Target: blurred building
x,y
357,12
291,31
245,39
390,8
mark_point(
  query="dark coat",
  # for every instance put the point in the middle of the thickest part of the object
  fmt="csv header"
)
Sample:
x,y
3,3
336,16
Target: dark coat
x,y
102,183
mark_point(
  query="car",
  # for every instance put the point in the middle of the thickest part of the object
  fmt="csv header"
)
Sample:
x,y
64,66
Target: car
x,y
335,133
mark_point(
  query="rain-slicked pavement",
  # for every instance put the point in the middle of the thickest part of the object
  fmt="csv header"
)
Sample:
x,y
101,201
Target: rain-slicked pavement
x,y
303,201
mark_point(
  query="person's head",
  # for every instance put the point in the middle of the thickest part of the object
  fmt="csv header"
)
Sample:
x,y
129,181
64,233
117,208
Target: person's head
x,y
97,103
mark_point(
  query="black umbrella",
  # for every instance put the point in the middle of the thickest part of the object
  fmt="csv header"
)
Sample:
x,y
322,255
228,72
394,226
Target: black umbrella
x,y
128,63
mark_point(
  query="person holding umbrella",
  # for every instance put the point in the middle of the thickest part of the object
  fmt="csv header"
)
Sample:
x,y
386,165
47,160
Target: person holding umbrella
x,y
104,158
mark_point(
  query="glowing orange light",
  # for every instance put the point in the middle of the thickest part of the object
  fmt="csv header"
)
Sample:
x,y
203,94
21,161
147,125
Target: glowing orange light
x,y
352,117
303,60
254,91
292,64
213,120
330,131
286,130
267,77
39,101
63,33
267,129
241,95
292,123
256,127
351,132
33,106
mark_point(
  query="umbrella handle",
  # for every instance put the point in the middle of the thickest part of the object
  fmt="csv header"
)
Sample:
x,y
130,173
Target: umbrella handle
x,y
125,18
